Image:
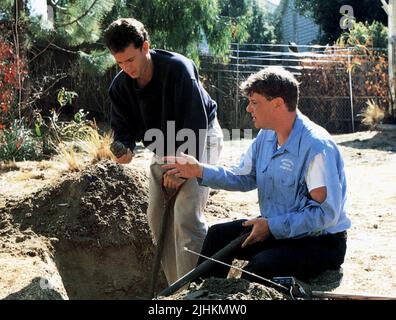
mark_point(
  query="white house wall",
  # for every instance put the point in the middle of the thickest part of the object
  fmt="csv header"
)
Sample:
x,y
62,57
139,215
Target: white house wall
x,y
297,28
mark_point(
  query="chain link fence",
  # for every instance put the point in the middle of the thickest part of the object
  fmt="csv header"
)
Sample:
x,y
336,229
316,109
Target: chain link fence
x,y
328,93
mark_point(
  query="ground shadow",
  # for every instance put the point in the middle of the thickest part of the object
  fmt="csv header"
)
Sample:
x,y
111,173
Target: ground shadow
x,y
35,291
382,140
326,281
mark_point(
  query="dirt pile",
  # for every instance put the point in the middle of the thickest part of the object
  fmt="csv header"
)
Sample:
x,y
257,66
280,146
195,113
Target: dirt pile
x,y
96,223
227,289
105,203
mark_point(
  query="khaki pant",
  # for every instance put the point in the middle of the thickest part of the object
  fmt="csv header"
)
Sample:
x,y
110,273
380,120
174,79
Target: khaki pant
x,y
187,226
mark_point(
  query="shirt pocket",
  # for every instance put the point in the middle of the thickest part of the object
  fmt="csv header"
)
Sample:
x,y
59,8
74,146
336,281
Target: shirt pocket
x,y
285,189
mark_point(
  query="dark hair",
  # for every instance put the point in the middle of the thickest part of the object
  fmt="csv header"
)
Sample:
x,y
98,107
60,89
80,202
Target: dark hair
x,y
123,32
273,82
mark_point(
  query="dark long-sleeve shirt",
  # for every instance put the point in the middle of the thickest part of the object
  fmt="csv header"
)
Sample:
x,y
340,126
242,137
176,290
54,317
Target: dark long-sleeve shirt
x,y
173,94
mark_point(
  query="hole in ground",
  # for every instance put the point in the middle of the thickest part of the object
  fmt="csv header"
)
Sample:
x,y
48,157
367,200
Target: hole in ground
x,y
114,272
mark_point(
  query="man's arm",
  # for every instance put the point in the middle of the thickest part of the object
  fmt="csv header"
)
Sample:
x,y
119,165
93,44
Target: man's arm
x,y
322,210
124,130
319,194
242,178
315,178
261,230
191,114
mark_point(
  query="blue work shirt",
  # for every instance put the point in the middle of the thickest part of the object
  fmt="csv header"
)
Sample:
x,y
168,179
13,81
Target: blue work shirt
x,y
279,175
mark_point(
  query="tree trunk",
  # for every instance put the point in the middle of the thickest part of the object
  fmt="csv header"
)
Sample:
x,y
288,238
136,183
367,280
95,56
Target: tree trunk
x,y
19,31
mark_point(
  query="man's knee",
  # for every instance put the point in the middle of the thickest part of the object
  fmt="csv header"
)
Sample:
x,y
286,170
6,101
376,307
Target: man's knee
x,y
215,230
221,234
262,271
266,264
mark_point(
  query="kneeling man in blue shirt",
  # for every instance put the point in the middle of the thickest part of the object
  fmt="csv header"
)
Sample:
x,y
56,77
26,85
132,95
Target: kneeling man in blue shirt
x,y
299,173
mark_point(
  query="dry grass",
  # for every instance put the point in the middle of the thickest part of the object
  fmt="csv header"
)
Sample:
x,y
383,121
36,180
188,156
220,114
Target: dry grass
x,y
93,148
372,115
27,175
97,146
67,155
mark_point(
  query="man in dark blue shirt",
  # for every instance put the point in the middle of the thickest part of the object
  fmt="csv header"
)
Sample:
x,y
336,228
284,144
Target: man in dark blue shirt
x,y
157,94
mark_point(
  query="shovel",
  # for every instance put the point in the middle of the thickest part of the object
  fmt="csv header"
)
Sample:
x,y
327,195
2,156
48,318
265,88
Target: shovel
x,y
169,196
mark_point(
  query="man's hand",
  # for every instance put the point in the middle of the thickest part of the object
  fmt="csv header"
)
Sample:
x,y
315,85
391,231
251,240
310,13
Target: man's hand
x,y
184,166
118,148
126,158
260,231
121,153
172,182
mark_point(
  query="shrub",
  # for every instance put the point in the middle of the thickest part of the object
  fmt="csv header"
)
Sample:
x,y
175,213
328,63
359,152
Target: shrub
x,y
19,143
12,73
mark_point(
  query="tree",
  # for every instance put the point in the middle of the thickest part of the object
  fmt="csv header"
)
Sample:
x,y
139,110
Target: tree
x,y
252,23
77,27
72,47
262,27
327,14
79,22
238,13
180,25
374,35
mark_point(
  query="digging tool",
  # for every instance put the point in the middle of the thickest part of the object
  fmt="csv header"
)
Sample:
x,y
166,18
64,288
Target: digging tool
x,y
169,200
209,263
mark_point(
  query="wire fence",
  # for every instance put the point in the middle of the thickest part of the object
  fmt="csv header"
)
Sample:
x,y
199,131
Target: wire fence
x,y
328,93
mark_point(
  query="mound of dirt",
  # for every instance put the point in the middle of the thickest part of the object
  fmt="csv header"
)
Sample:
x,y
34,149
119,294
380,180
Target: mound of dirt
x,y
227,289
105,203
96,222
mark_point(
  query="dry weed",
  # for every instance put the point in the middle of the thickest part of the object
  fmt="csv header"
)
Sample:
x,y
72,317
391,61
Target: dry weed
x,y
97,146
67,155
372,115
